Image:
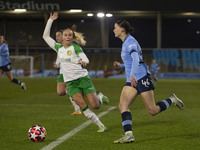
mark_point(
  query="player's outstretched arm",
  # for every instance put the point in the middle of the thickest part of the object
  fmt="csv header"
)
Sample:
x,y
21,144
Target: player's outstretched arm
x,y
46,35
53,16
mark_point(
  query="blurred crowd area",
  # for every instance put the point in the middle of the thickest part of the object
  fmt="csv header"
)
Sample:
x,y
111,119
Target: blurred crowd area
x,y
175,61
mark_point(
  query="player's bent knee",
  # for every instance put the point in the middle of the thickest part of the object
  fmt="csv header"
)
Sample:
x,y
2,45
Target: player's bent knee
x,y
60,93
95,106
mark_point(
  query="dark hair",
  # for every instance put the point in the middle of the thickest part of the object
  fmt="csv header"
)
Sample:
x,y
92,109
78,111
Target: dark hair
x,y
4,39
126,25
61,31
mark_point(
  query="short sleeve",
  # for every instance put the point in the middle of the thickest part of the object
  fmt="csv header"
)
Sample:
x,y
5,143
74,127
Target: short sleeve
x,y
57,46
78,49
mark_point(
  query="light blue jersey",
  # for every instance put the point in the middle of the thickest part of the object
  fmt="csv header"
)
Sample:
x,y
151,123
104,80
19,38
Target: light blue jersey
x,y
131,55
154,68
4,55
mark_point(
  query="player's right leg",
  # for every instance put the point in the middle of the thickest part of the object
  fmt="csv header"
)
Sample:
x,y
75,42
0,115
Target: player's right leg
x,y
153,109
14,80
149,102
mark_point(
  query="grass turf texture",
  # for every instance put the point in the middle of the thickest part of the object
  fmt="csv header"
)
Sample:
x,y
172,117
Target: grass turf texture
x,y
170,130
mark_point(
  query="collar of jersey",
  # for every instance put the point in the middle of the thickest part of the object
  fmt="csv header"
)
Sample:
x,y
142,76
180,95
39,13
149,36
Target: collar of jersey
x,y
66,47
126,37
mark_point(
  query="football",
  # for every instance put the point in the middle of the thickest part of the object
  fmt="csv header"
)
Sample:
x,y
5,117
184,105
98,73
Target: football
x,y
37,133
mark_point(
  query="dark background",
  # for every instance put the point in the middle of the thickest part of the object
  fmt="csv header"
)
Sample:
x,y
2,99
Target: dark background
x,y
178,31
155,5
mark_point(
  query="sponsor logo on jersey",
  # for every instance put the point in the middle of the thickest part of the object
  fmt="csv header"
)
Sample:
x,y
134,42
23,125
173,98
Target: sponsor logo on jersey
x,y
132,45
69,52
68,60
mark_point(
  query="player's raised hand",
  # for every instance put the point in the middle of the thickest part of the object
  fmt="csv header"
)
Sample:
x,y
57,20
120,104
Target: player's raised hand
x,y
54,15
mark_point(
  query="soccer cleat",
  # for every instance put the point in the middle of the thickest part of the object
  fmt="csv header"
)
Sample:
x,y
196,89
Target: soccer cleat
x,y
104,98
76,113
125,139
23,86
176,101
102,129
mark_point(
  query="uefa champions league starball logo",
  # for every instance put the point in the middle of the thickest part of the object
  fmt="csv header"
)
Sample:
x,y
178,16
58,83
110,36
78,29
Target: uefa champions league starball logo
x,y
37,133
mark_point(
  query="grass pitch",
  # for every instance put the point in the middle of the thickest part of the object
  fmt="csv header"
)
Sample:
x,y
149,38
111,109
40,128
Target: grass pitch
x,y
173,129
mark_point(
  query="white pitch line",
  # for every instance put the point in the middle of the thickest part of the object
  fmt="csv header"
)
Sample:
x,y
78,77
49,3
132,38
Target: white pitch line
x,y
74,131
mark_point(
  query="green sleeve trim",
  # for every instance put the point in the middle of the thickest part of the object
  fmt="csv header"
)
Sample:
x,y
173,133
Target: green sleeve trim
x,y
57,46
77,49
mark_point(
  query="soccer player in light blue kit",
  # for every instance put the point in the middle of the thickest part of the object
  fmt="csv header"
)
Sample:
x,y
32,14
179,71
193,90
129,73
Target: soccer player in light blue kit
x,y
138,81
5,63
154,70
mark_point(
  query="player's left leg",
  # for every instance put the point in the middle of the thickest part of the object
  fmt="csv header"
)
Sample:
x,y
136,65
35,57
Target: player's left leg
x,y
154,77
14,80
128,95
95,102
1,72
79,99
93,117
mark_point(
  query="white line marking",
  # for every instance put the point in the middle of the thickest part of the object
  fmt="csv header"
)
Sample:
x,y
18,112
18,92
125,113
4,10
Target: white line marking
x,y
74,131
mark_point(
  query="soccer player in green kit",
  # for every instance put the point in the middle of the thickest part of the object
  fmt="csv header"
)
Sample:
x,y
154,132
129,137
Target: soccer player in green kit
x,y
61,85
73,62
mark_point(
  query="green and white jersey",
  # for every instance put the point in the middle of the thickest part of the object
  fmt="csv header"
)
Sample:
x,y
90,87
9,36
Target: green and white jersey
x,y
69,58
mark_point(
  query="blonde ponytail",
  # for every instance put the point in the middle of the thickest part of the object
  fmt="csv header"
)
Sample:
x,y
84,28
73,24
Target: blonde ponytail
x,y
79,38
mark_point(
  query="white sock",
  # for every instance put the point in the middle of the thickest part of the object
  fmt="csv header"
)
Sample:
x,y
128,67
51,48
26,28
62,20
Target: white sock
x,y
129,133
76,107
93,117
100,99
66,91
